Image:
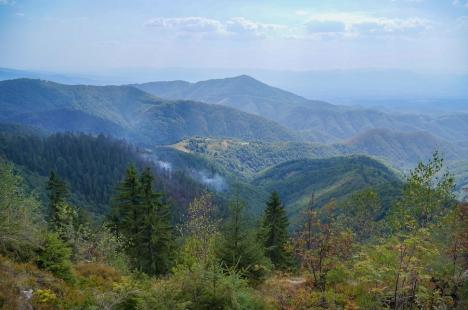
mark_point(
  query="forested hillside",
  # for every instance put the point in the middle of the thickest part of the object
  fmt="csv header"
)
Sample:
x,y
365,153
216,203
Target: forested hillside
x,y
90,166
328,179
126,112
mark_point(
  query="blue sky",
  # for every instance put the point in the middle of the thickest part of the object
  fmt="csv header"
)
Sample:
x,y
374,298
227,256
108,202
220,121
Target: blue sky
x,y
85,35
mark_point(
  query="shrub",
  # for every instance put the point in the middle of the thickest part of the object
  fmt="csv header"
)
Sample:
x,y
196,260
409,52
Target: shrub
x,y
98,274
202,287
55,257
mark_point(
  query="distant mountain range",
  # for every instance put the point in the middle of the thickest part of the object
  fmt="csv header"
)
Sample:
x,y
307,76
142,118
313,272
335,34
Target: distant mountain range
x,y
403,149
388,88
243,92
316,120
127,112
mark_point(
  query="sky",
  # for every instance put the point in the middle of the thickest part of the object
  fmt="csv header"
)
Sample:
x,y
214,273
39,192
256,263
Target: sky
x,y
91,35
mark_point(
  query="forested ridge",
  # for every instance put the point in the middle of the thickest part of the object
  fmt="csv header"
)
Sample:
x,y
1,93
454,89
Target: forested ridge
x,y
90,165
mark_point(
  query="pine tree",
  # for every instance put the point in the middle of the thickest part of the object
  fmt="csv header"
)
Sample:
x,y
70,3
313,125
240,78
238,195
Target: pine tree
x,y
124,215
240,248
155,239
57,193
275,232
144,220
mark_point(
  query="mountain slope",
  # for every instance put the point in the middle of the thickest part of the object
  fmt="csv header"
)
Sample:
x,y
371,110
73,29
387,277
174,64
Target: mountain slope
x,y
246,158
402,149
241,92
127,112
253,169
327,179
91,166
318,121
173,121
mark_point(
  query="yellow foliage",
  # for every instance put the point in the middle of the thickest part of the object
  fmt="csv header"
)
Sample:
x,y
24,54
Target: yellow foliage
x,y
45,296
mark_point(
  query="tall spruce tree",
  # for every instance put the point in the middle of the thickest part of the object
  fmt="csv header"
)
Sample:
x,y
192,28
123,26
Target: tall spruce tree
x,y
140,215
240,248
126,203
57,194
274,232
155,240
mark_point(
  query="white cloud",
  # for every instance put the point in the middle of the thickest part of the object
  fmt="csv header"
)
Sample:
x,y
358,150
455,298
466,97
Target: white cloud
x,y
392,26
201,26
187,24
243,26
352,24
316,26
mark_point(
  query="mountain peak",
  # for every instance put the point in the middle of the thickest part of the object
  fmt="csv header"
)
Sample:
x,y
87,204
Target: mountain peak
x,y
244,77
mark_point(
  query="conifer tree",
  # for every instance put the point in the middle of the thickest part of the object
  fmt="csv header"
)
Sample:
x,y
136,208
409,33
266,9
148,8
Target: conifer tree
x,y
240,248
275,232
124,215
140,215
155,240
57,194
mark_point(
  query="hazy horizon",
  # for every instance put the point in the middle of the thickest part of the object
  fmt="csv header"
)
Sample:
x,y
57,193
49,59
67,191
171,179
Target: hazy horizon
x,y
423,36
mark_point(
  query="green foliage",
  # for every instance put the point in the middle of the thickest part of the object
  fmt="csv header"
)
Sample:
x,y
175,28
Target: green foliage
x,y
332,178
139,215
155,240
202,288
274,232
427,194
361,213
125,208
199,280
428,191
323,247
57,194
21,222
54,256
109,248
91,166
200,232
239,248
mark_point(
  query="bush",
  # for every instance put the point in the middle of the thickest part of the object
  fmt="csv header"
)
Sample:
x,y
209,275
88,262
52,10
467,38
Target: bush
x,y
202,287
55,257
98,274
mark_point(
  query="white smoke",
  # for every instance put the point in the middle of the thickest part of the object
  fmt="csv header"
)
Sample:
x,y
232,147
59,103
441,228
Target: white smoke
x,y
164,165
214,181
